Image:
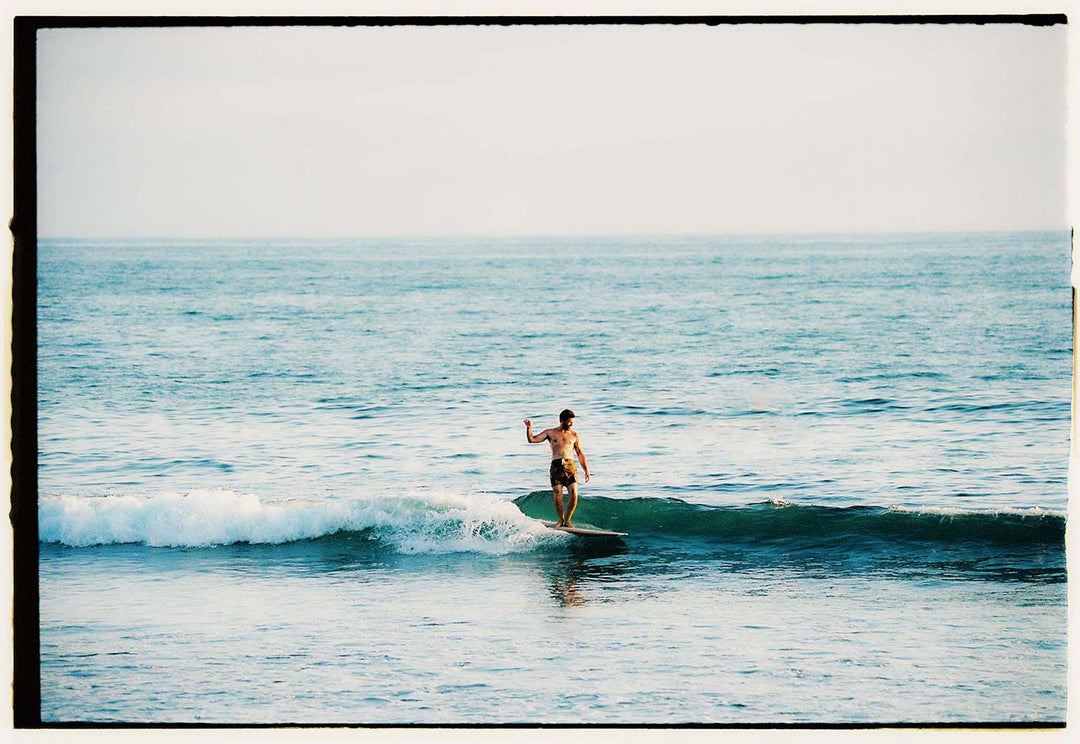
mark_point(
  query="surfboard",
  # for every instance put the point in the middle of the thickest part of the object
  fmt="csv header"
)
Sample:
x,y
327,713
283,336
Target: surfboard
x,y
584,531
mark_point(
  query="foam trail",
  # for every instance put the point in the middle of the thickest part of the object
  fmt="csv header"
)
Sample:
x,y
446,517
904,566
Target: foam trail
x,y
418,523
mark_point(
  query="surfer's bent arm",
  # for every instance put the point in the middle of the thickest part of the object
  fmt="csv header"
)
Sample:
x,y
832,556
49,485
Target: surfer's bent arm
x,y
581,456
537,438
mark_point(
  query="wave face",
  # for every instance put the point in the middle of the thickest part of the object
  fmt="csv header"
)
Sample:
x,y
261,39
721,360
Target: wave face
x,y
778,520
421,523
482,523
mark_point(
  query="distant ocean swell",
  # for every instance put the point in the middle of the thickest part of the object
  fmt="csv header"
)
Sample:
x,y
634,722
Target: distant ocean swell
x,y
442,523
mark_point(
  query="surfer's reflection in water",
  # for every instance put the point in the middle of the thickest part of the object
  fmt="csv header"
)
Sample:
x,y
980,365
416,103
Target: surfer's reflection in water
x,y
570,580
564,589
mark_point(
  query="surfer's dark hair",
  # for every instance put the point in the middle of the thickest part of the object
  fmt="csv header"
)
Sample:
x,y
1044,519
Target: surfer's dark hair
x,y
565,416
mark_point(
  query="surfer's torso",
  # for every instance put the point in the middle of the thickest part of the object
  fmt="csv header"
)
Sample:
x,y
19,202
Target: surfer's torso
x,y
562,443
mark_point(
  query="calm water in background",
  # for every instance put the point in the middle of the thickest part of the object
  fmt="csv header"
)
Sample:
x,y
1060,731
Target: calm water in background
x,y
288,481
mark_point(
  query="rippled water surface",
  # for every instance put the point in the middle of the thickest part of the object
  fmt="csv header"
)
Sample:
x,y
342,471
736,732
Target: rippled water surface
x,y
287,481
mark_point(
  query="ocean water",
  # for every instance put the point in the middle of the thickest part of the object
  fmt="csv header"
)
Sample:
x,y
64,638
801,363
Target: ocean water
x,y
287,481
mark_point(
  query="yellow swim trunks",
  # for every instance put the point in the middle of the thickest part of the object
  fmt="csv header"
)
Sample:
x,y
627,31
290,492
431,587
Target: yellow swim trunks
x,y
563,473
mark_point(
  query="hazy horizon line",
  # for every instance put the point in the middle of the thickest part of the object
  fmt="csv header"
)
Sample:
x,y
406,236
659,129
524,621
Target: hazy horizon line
x,y
535,236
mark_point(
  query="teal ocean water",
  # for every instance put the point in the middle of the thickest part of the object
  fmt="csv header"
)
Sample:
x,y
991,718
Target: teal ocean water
x,y
287,481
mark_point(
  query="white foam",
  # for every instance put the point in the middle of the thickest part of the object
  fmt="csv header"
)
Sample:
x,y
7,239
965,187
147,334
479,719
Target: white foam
x,y
417,523
946,511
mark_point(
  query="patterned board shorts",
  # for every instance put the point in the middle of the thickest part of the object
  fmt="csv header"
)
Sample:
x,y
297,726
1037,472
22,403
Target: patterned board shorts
x,y
563,473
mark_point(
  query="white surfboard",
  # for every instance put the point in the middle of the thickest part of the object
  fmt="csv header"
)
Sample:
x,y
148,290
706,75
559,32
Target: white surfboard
x,y
584,531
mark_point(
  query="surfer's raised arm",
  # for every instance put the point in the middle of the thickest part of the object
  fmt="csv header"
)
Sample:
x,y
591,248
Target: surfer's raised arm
x,y
541,437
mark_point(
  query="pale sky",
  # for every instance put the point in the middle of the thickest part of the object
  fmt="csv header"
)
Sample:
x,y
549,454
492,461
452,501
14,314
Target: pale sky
x,y
541,130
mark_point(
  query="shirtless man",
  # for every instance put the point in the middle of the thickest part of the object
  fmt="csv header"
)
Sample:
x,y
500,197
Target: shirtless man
x,y
565,442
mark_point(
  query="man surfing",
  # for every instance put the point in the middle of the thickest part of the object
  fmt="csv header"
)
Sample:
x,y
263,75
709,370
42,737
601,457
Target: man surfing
x,y
565,442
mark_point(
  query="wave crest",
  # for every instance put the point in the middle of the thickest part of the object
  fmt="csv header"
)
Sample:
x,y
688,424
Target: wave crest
x,y
418,523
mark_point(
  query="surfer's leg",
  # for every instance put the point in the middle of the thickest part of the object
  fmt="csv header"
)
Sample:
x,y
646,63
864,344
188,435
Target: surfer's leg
x,y
571,492
557,492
